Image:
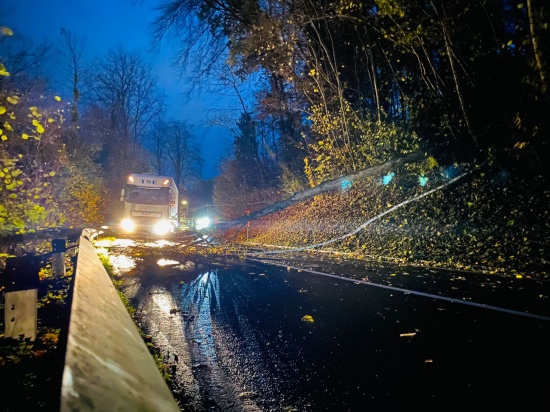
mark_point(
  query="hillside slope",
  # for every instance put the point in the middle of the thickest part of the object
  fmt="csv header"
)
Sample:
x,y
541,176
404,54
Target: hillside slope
x,y
484,221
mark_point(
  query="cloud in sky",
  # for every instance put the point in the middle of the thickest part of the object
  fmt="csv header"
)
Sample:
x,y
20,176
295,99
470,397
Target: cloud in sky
x,y
106,24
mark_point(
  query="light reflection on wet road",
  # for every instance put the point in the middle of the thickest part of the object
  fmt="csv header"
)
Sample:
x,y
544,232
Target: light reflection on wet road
x,y
238,342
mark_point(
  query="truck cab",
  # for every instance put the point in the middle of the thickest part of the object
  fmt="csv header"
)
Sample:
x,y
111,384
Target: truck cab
x,y
150,204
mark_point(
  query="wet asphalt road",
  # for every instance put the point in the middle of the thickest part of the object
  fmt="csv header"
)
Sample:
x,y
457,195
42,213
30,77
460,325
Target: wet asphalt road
x,y
238,333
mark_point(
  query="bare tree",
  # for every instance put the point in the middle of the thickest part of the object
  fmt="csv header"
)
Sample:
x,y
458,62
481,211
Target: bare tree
x,y
125,86
25,61
156,143
126,89
75,70
184,155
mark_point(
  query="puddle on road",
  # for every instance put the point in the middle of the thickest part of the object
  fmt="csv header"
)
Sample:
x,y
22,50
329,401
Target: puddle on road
x,y
160,243
174,299
122,263
167,262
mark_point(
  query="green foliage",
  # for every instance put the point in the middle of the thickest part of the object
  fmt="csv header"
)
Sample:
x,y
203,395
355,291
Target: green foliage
x,y
30,157
117,283
47,178
348,142
83,199
291,182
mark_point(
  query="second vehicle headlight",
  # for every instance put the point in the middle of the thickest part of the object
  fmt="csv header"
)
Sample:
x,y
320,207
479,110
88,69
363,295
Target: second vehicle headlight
x,y
202,223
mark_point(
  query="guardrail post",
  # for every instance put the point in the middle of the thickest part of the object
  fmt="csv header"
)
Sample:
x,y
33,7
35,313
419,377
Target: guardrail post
x,y
59,246
20,279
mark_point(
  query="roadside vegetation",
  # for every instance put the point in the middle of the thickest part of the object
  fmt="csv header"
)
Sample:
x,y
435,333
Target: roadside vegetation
x,y
485,222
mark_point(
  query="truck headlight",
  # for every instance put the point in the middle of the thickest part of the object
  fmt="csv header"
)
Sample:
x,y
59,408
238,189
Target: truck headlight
x,y
162,227
128,225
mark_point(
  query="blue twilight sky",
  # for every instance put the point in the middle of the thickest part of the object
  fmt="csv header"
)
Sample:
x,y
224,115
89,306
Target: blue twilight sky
x,y
105,24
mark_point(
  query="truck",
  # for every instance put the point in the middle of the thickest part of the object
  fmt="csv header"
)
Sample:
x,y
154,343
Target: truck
x,y
150,204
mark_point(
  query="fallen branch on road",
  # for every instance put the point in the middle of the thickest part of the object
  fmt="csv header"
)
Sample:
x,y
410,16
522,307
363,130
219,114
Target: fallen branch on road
x,y
324,187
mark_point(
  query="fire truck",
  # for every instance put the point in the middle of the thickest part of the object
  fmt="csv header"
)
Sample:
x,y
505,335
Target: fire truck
x,y
150,204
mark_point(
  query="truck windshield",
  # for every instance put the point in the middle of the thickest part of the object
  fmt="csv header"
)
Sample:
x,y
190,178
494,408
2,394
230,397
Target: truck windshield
x,y
145,196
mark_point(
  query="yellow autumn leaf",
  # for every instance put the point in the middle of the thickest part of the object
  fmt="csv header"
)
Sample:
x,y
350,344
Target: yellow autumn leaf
x,y
50,120
2,110
4,137
13,99
308,318
432,162
6,31
12,116
40,129
25,136
57,98
3,71
52,173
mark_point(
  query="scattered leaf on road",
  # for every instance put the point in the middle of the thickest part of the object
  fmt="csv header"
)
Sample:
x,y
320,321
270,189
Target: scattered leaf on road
x,y
308,318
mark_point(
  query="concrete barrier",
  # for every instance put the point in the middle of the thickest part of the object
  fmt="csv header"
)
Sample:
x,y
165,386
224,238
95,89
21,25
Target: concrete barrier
x,y
107,364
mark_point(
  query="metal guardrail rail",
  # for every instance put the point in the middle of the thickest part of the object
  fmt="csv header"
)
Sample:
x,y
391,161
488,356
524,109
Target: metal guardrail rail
x,y
107,364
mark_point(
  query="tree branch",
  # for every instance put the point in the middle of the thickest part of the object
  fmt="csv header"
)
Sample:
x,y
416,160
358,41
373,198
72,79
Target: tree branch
x,y
324,187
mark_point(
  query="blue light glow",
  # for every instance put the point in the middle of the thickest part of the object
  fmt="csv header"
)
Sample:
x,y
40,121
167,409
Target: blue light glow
x,y
346,184
388,178
450,172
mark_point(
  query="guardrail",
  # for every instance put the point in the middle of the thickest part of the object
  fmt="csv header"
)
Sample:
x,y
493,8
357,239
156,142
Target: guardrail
x,y
108,366
20,279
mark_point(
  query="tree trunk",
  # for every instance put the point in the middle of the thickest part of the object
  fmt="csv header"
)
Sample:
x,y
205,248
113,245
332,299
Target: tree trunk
x,y
324,187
